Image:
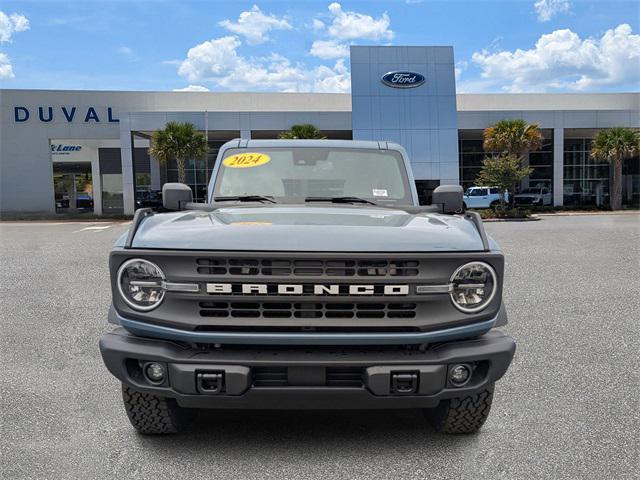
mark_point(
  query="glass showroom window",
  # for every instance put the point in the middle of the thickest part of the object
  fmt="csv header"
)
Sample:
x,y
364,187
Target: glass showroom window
x,y
586,181
195,174
198,172
472,154
542,163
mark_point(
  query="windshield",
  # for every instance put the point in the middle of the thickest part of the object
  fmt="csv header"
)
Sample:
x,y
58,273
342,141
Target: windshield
x,y
294,174
531,190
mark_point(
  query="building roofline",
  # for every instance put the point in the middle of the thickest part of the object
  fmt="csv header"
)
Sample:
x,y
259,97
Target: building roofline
x,y
341,102
547,101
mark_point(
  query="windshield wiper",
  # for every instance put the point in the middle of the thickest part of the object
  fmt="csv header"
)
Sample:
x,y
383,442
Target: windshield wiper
x,y
245,198
340,200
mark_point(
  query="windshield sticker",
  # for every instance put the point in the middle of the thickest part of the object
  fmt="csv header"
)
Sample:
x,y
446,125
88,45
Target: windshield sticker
x,y
380,192
246,160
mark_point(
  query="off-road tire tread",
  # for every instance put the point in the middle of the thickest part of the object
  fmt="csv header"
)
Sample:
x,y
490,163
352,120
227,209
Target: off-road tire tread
x,y
461,415
153,415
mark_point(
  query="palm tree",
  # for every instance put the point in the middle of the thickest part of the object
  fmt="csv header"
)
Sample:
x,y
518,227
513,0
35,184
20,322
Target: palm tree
x,y
511,141
304,130
180,141
615,145
513,137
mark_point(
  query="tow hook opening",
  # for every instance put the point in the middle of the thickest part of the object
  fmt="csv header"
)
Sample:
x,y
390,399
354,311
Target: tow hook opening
x,y
210,383
404,383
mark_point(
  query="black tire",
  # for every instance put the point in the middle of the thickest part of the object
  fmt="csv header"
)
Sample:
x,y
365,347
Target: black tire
x,y
463,414
494,205
153,415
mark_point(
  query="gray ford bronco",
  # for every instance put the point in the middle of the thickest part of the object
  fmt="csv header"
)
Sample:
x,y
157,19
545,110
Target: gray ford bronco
x,y
312,279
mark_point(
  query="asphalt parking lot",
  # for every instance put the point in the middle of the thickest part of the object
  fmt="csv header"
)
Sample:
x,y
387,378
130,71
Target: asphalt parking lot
x,y
567,408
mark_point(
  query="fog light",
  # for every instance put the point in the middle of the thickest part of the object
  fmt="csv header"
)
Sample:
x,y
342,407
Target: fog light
x,y
459,375
154,372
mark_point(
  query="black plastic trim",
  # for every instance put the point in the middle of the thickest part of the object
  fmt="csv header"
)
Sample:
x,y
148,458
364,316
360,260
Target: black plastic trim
x,y
495,348
474,217
138,217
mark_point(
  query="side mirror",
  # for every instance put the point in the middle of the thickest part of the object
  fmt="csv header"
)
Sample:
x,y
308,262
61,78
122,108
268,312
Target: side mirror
x,y
449,196
175,196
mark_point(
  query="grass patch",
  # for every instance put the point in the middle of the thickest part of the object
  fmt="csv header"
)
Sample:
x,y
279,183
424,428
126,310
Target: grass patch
x,y
505,213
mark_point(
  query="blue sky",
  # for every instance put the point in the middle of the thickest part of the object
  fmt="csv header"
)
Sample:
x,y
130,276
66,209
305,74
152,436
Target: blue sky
x,y
500,46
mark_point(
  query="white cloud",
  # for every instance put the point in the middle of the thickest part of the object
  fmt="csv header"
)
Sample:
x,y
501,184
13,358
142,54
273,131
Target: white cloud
x,y
327,49
218,61
547,9
354,25
344,27
561,60
10,24
460,67
210,59
192,88
6,70
254,25
317,25
331,80
125,51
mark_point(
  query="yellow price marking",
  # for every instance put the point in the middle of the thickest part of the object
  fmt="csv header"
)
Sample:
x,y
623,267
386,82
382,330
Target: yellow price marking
x,y
246,160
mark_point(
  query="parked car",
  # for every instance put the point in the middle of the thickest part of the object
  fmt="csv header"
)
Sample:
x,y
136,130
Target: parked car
x,y
62,200
84,200
534,196
149,199
483,197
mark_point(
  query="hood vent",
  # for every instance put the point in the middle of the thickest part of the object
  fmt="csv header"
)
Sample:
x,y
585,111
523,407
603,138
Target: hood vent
x,y
307,268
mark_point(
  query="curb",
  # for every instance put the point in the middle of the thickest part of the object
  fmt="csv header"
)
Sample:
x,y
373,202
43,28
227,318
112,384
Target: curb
x,y
496,220
577,214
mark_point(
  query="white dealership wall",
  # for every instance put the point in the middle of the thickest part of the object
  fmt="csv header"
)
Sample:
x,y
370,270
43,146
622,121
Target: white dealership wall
x,y
559,112
79,151
425,119
26,174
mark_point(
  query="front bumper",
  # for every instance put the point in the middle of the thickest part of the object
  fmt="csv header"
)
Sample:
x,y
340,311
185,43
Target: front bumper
x,y
150,330
311,377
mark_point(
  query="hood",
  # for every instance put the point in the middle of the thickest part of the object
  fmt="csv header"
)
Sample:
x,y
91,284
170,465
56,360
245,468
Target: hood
x,y
307,228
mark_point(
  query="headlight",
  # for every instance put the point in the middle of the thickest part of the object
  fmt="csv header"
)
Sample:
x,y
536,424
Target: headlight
x,y
141,284
473,286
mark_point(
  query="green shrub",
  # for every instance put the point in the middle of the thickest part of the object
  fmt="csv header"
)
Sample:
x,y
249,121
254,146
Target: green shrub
x,y
505,213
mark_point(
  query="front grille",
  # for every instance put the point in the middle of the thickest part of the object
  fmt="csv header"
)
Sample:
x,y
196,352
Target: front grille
x,y
344,377
308,309
300,267
270,377
334,377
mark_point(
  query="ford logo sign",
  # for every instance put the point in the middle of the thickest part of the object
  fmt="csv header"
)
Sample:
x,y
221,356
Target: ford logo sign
x,y
403,79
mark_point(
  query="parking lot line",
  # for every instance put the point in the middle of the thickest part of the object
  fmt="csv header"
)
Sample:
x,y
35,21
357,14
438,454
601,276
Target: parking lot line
x,y
93,228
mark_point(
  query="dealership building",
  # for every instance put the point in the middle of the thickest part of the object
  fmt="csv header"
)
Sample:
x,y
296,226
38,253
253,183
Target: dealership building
x,y
78,151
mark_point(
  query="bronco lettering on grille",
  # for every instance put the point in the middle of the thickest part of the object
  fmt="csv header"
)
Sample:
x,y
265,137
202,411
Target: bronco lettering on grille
x,y
304,289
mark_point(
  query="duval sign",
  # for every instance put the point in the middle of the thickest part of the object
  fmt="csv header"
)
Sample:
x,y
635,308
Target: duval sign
x,y
69,114
402,79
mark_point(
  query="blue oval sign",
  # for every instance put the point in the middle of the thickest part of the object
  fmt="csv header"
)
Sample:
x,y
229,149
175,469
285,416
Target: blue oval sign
x,y
403,79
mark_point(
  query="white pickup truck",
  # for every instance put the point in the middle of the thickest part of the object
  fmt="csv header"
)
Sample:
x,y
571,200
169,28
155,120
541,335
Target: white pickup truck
x,y
534,196
483,197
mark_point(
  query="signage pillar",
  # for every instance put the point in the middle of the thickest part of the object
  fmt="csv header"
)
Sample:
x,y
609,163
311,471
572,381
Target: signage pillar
x,y
407,95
